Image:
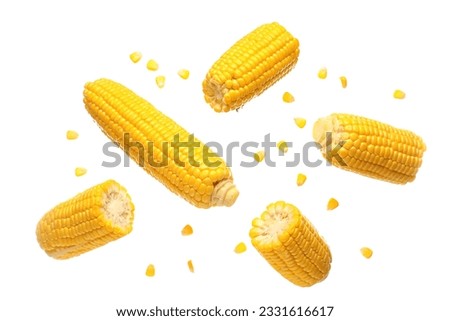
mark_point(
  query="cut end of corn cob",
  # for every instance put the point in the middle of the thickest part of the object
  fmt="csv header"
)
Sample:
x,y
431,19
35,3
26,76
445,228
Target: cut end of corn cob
x,y
135,56
183,73
89,220
250,66
366,252
291,245
225,193
322,74
300,122
71,135
282,146
332,204
288,98
187,230
240,248
150,272
160,81
398,94
259,156
190,266
152,65
343,81
80,171
301,179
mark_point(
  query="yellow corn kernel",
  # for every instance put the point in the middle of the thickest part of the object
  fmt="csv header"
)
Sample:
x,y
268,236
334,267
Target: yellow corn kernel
x,y
240,248
288,98
300,122
187,230
369,147
282,146
183,73
80,171
301,179
343,81
259,156
323,72
71,135
332,204
250,66
190,266
152,65
135,56
93,218
366,252
291,244
160,81
131,122
398,94
150,272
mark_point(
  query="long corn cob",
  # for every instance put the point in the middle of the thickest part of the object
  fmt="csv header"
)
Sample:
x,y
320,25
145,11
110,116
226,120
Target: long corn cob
x,y
250,66
369,147
291,245
201,177
99,215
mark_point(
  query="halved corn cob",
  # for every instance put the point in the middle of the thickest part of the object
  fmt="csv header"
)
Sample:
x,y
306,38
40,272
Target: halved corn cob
x,y
250,66
201,177
291,245
99,215
369,147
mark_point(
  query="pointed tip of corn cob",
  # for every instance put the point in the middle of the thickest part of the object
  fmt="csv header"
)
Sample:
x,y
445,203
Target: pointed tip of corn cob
x,y
225,193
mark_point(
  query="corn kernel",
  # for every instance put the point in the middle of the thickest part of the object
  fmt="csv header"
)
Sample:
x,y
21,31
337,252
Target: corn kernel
x,y
300,122
322,73
282,146
398,94
259,156
288,98
152,65
332,204
190,266
187,230
150,270
183,73
80,171
160,81
301,178
343,81
366,252
71,134
135,56
240,248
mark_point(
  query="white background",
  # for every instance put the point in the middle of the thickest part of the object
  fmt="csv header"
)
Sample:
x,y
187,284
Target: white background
x,y
49,49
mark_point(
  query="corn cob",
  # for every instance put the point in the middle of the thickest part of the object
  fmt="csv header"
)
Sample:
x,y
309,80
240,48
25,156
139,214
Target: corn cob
x,y
91,219
201,177
250,66
291,245
369,147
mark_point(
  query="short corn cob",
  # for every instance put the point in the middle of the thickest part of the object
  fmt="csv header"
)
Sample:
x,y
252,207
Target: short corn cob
x,y
120,112
370,148
250,66
93,218
291,245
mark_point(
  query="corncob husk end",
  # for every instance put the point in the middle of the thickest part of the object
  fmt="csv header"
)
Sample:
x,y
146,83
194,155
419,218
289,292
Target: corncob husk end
x,y
225,193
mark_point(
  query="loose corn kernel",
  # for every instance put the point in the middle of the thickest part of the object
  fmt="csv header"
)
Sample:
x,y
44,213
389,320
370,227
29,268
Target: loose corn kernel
x,y
135,56
300,122
240,248
366,252
160,81
343,81
150,270
190,266
332,204
301,179
152,65
288,98
322,73
282,146
183,73
187,230
398,94
259,156
71,134
80,171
